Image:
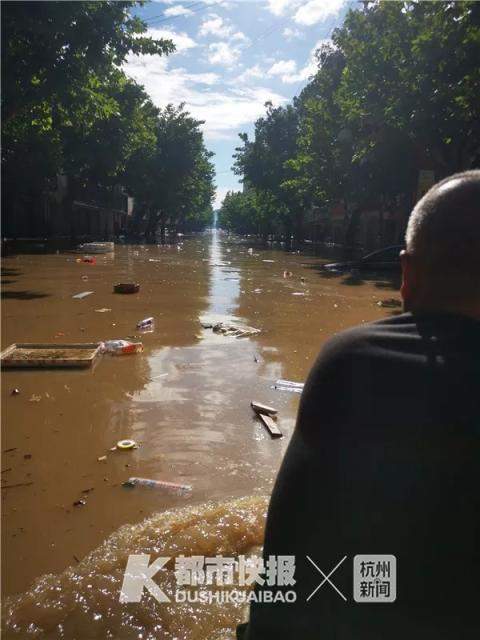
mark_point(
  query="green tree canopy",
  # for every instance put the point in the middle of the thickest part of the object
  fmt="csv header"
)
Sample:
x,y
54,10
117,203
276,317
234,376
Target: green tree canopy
x,y
172,179
66,105
396,91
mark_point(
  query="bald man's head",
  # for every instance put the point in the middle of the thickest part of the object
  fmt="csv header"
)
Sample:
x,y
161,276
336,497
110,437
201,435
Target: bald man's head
x,y
442,261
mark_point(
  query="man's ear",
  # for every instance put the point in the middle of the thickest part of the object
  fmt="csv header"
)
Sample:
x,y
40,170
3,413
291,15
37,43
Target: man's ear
x,y
407,278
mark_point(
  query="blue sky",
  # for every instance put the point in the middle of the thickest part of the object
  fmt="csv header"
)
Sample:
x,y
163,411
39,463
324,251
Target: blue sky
x,y
232,56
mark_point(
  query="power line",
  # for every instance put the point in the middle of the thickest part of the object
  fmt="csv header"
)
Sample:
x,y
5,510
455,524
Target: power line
x,y
270,30
189,6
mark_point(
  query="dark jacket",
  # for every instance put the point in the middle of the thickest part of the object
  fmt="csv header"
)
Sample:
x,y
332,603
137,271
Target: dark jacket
x,y
385,459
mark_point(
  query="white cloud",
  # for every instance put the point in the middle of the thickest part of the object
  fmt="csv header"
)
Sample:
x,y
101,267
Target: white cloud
x,y
310,67
306,13
317,10
240,36
203,78
225,109
216,26
290,34
218,3
303,74
223,53
282,67
178,10
182,41
252,73
278,7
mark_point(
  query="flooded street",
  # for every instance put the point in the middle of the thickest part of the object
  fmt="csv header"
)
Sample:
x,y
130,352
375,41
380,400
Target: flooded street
x,y
185,400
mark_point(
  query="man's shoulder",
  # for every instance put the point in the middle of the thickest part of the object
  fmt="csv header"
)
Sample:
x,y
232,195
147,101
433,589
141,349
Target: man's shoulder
x,y
406,335
386,333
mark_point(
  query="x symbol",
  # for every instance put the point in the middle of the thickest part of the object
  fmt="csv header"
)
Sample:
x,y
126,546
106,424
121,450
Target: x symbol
x,y
326,578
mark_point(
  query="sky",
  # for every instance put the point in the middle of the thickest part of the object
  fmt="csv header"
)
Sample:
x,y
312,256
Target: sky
x,y
231,57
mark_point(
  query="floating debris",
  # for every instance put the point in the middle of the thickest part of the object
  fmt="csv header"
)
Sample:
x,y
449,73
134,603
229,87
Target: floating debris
x,y
158,484
15,392
83,294
258,407
390,303
234,330
120,347
270,425
20,484
80,503
34,398
97,247
126,287
124,445
49,355
102,459
288,385
146,323
102,310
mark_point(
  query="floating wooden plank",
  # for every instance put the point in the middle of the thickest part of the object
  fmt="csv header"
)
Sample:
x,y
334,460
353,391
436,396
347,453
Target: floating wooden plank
x,y
258,407
19,484
271,425
49,355
83,294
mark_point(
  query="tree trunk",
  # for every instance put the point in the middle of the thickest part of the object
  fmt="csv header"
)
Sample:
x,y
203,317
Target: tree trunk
x,y
298,231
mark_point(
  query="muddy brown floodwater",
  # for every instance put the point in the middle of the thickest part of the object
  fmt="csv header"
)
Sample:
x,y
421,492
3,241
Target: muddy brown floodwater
x,y
185,400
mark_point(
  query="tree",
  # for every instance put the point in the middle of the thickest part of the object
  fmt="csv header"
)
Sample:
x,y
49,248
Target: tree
x,y
172,179
396,91
63,92
263,163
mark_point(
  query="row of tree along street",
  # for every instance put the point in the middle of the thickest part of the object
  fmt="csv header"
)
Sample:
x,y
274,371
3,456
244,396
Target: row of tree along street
x,y
393,107
80,137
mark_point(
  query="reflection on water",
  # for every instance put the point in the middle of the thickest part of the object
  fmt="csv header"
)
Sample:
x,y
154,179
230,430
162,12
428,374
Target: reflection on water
x,y
224,282
185,400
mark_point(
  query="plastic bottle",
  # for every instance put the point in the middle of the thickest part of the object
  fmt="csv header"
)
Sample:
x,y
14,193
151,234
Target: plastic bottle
x,y
121,347
158,484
